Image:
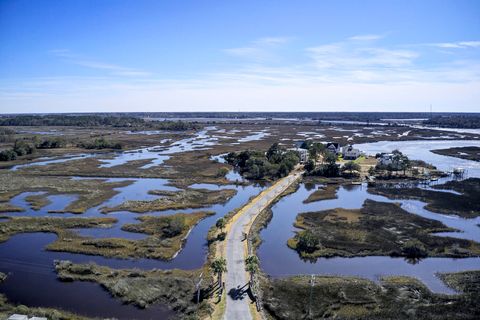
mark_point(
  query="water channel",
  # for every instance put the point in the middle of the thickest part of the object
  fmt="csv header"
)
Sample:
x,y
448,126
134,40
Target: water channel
x,y
279,260
30,266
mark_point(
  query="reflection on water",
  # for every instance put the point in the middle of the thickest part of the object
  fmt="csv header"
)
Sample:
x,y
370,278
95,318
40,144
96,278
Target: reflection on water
x,y
420,150
30,266
28,250
33,281
279,260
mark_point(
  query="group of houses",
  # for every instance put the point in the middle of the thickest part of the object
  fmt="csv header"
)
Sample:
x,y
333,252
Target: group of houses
x,y
348,152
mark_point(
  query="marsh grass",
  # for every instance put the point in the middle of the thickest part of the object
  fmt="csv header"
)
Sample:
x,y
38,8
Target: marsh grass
x,y
161,243
377,228
356,298
466,205
175,200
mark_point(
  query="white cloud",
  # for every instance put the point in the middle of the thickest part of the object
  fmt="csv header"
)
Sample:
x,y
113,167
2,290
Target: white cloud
x,y
366,37
348,75
457,45
113,69
258,50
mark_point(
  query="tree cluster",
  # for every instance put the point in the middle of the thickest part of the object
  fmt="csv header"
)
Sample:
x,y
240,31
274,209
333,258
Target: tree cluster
x,y
173,226
275,163
328,168
21,148
400,162
100,143
307,241
49,143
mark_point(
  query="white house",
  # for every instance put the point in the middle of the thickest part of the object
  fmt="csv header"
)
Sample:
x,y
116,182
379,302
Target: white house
x,y
333,147
385,159
350,153
302,153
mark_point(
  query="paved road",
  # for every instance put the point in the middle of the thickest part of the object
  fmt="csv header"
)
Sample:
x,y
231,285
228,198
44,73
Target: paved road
x,y
237,309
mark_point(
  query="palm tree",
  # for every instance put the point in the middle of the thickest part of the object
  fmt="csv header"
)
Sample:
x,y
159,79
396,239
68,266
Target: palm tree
x,y
251,265
219,266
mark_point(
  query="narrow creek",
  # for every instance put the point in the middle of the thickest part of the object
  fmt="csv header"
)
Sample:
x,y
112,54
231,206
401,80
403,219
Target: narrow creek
x,y
278,260
28,250
30,267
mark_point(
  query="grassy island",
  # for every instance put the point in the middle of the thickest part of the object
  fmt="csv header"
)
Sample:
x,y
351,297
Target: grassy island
x,y
176,200
166,236
466,204
468,153
356,298
377,228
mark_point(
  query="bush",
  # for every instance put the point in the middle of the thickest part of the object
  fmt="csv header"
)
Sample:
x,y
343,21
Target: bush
x,y
174,226
21,148
100,144
51,144
307,241
310,166
221,236
7,155
414,249
222,172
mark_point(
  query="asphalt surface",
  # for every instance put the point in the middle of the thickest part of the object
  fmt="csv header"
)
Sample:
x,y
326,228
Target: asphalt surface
x,y
236,278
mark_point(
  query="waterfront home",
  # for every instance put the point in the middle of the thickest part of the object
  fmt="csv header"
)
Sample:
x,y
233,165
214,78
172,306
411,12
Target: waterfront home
x,y
333,148
350,153
385,159
302,153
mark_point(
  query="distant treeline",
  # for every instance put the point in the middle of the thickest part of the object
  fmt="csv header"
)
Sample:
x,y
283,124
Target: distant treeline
x,y
94,121
469,121
136,120
24,147
346,116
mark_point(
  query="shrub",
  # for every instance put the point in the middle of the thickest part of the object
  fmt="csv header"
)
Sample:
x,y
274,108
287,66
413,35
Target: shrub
x,y
7,155
307,241
174,226
414,249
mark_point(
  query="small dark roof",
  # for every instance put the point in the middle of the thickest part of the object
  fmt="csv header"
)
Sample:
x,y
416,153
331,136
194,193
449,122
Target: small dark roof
x,y
336,145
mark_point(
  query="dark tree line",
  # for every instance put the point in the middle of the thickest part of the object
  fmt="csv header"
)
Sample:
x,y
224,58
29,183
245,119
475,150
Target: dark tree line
x,y
94,121
471,121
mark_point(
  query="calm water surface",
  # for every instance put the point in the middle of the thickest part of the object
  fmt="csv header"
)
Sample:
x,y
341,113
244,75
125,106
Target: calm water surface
x,y
31,267
279,260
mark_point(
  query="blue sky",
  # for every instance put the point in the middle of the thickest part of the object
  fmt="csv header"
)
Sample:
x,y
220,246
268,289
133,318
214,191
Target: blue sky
x,y
138,55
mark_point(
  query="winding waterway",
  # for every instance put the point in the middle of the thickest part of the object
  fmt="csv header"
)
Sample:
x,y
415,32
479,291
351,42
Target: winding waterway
x,y
279,260
30,266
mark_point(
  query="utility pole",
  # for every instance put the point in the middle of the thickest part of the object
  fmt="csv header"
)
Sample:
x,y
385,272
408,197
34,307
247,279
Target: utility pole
x,y
312,283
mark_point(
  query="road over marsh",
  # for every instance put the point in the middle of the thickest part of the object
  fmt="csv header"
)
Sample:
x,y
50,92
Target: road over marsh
x,y
237,307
